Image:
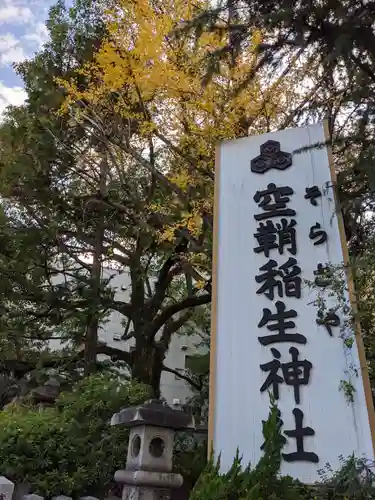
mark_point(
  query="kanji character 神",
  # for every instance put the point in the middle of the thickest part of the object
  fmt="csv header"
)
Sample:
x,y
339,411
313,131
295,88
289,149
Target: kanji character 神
x,y
295,373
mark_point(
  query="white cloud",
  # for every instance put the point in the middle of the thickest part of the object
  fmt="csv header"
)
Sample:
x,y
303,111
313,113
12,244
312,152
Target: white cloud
x,y
7,41
15,14
13,55
38,36
11,50
11,95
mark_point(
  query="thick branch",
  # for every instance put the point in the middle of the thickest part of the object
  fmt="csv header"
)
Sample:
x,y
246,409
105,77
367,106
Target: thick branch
x,y
172,327
165,278
168,312
121,307
21,367
115,354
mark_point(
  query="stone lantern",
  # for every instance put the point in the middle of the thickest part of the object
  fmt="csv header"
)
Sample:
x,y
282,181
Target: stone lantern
x,y
148,474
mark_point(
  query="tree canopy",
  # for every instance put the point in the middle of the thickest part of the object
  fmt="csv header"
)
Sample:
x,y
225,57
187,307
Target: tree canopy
x,y
111,161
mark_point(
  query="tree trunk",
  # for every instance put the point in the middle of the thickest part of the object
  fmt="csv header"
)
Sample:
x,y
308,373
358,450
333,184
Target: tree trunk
x,y
148,366
91,339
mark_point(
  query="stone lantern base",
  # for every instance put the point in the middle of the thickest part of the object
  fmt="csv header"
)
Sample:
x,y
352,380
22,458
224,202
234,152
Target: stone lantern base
x,y
147,485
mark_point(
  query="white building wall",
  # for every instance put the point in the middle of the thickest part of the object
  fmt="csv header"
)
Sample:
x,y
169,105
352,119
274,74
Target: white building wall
x,y
181,346
172,387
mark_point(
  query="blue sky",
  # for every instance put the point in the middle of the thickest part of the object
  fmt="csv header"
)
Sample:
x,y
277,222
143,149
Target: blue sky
x,y
22,33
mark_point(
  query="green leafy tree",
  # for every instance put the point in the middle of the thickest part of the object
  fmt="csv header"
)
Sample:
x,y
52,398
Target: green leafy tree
x,y
70,448
31,139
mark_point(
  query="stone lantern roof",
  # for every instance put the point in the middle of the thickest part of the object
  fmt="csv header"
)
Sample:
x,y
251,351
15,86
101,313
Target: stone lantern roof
x,y
153,413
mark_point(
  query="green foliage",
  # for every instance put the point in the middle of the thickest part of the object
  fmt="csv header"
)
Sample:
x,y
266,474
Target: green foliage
x,y
34,160
69,192
71,448
189,457
353,482
241,484
260,483
363,271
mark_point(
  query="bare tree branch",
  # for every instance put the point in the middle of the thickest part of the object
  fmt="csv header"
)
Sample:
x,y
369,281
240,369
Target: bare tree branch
x,y
183,377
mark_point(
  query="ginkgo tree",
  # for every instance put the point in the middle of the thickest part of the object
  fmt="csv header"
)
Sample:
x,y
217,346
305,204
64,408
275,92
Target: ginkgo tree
x,y
167,118
144,99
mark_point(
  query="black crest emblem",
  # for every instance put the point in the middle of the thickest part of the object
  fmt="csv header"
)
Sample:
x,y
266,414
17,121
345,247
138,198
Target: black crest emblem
x,y
271,157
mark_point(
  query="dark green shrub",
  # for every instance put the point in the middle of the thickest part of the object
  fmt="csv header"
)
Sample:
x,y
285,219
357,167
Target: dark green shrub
x,y
189,458
70,448
260,483
355,480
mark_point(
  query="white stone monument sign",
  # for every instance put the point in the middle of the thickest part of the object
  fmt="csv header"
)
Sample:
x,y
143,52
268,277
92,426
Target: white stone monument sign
x,y
275,326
